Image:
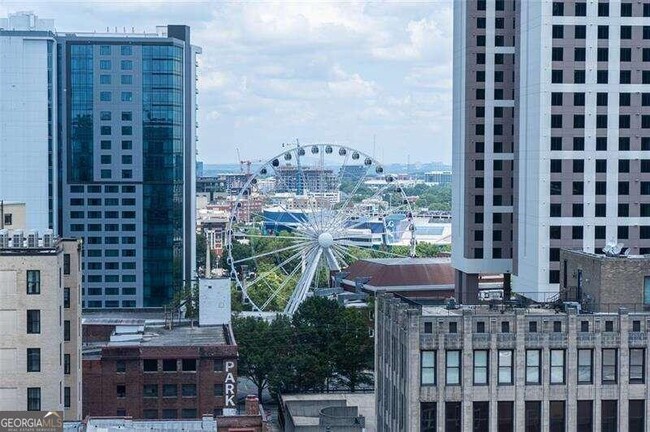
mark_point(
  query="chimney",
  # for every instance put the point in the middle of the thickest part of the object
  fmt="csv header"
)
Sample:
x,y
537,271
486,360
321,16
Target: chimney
x,y
252,405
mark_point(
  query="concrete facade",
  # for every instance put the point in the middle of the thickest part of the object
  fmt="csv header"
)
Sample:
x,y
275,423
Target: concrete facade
x,y
13,216
558,105
28,132
604,284
480,370
37,339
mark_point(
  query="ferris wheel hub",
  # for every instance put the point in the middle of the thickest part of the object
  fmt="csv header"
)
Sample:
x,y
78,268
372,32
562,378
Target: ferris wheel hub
x,y
325,240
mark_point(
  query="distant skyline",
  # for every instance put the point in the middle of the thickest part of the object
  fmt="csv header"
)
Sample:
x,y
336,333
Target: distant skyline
x,y
272,72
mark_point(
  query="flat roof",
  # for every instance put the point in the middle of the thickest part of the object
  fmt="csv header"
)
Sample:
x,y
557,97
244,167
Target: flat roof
x,y
183,336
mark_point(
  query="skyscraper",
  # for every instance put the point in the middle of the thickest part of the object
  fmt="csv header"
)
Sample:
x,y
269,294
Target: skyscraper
x,y
98,139
128,142
28,118
551,136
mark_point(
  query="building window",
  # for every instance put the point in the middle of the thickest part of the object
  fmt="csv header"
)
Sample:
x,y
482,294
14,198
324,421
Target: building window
x,y
610,364
557,326
481,367
218,363
636,326
66,330
170,390
189,365
105,96
150,390
637,365
480,326
33,321
66,297
150,413
126,65
533,366
505,367
557,416
33,398
557,366
66,364
120,366
126,50
453,416
428,368
33,359
218,390
505,326
453,367
188,413
189,390
505,416
646,290
169,413
120,391
637,415
585,366
585,420
532,327
609,416
533,416
428,416
428,327
33,281
66,397
481,417
150,365
170,365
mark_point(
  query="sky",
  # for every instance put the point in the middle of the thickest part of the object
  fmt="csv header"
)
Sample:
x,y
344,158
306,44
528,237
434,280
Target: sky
x,y
353,73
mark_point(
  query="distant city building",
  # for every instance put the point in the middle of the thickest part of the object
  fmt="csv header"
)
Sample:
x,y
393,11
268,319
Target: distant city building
x,y
550,134
40,347
13,215
352,173
438,177
523,370
290,179
221,184
137,366
602,283
199,169
28,117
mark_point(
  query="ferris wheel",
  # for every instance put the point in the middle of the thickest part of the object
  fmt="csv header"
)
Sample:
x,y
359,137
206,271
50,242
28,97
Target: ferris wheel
x,y
307,214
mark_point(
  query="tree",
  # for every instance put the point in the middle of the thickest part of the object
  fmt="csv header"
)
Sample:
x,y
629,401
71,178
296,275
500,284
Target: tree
x,y
261,346
354,349
201,246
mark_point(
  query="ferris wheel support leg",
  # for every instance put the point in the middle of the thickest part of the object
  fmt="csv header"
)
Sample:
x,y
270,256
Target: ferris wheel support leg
x,y
302,287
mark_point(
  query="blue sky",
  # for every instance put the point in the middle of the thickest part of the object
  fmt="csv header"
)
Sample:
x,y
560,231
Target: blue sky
x,y
272,72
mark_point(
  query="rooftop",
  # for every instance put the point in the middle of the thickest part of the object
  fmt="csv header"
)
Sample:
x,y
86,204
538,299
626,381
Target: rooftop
x,y
403,272
127,424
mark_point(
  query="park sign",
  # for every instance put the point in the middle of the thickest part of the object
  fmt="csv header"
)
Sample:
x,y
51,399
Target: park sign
x,y
31,421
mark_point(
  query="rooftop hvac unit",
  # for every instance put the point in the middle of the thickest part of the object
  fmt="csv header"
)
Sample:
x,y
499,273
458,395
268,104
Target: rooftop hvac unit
x,y
17,239
32,239
48,238
4,239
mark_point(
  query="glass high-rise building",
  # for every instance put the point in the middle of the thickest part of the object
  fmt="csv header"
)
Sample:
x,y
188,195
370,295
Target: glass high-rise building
x,y
127,140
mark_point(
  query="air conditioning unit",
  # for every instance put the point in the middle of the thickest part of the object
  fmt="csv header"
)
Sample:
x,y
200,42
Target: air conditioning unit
x,y
32,239
17,239
4,239
48,238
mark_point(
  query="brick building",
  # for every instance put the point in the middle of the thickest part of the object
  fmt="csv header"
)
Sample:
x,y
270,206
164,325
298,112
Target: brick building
x,y
535,370
588,279
147,371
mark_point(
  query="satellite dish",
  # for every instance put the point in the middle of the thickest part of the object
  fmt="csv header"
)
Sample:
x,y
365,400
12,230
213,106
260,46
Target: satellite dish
x,y
607,250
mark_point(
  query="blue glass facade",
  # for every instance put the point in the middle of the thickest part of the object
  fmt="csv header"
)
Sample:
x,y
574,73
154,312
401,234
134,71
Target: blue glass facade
x,y
162,147
80,151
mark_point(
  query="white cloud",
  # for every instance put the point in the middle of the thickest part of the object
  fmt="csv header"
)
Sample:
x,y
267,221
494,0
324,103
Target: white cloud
x,y
272,71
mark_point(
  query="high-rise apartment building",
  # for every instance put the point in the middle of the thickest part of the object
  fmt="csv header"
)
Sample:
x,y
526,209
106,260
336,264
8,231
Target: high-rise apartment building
x,y
28,134
40,347
128,145
550,136
98,139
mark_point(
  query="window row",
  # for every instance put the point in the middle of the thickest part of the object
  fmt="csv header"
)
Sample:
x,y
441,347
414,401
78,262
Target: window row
x,y
107,144
580,31
170,365
107,96
556,367
125,50
98,189
624,121
108,304
533,416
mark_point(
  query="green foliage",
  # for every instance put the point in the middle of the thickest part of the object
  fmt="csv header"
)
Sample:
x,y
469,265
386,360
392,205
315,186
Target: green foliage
x,y
432,197
424,250
187,298
324,344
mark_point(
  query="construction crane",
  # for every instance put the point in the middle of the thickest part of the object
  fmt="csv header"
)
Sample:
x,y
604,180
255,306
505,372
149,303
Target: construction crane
x,y
247,163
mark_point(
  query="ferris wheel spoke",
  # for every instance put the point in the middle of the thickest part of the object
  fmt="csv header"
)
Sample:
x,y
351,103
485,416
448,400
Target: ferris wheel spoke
x,y
339,256
277,267
277,291
343,209
274,252
344,251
